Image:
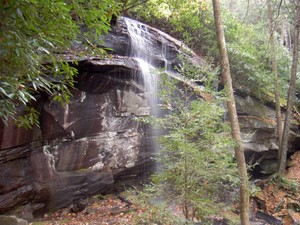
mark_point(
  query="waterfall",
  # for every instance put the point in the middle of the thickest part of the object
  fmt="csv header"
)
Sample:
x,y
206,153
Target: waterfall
x,y
150,52
141,50
148,56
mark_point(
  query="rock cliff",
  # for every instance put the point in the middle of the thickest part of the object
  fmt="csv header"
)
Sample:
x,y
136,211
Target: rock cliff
x,y
83,148
86,146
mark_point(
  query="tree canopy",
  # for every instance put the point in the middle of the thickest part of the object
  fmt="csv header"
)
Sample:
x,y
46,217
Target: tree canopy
x,y
246,33
35,36
35,33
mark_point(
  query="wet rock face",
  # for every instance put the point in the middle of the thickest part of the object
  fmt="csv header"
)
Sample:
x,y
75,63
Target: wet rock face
x,y
80,149
162,48
84,147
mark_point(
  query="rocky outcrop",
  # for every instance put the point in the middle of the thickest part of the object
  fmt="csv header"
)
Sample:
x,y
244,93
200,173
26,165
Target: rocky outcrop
x,y
257,123
161,48
12,220
259,133
80,149
84,147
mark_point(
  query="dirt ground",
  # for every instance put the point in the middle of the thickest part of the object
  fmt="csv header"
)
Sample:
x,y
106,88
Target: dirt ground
x,y
280,201
108,210
283,200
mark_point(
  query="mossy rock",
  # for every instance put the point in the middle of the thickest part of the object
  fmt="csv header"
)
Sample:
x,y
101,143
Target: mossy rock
x,y
268,167
12,220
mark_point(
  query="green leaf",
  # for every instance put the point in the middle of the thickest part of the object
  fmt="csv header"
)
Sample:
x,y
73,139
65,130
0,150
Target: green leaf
x,y
31,43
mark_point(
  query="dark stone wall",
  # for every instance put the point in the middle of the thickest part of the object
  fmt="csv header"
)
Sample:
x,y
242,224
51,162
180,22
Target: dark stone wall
x,y
84,147
80,148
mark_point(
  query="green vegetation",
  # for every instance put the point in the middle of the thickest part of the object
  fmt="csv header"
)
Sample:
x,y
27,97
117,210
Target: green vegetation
x,y
290,185
195,158
34,36
47,222
248,44
250,54
285,183
154,211
32,46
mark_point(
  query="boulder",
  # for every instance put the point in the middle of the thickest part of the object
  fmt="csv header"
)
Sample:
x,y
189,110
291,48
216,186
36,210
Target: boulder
x,y
259,133
12,220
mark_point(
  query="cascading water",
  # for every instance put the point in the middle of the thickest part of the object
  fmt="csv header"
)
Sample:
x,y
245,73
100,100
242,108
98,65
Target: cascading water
x,y
151,53
149,57
141,50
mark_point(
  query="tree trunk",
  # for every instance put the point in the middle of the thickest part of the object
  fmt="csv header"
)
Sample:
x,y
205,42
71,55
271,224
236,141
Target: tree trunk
x,y
235,128
275,74
291,93
285,33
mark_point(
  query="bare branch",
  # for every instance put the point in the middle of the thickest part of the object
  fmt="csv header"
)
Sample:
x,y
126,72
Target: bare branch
x,y
247,10
134,4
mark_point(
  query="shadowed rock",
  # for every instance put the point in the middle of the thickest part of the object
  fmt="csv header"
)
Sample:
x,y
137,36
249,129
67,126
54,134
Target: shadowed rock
x,y
84,147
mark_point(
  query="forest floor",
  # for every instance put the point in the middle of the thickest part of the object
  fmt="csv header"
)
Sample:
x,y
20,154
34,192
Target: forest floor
x,y
282,200
107,210
279,201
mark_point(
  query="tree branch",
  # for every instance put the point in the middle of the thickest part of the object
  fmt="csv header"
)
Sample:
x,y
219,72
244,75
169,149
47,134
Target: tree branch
x,y
134,4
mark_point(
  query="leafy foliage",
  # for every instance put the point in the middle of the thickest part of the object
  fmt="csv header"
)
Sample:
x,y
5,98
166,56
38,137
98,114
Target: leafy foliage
x,y
33,35
195,151
248,44
156,211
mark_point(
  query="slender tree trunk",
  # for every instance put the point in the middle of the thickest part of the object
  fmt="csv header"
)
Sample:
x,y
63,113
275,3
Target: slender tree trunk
x,y
291,93
275,74
286,33
235,128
